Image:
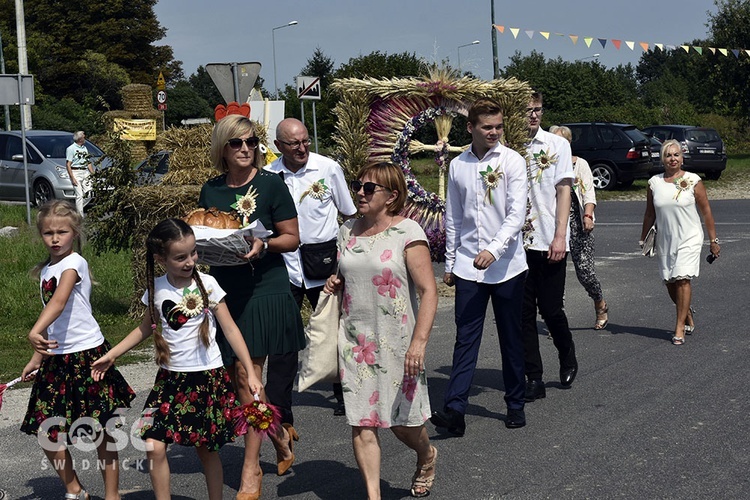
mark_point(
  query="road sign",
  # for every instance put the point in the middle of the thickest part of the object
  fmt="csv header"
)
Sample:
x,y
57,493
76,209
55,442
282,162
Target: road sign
x,y
161,97
161,107
308,87
234,80
10,93
160,83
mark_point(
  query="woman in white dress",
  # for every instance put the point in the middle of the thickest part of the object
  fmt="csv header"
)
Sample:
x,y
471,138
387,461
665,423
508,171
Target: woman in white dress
x,y
384,265
671,204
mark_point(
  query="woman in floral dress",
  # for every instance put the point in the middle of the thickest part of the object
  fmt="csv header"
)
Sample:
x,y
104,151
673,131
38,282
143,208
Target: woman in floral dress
x,y
671,204
384,266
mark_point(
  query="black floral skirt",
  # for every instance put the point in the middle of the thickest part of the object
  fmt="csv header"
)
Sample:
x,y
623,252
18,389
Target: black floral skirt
x,y
190,408
65,390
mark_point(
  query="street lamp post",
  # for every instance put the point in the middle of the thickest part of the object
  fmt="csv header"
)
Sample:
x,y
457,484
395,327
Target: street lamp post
x,y
475,42
273,42
595,56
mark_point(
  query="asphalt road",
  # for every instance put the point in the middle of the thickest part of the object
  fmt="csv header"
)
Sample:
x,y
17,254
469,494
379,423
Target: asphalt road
x,y
644,419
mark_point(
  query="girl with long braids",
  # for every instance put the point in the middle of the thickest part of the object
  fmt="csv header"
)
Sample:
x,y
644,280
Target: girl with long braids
x,y
191,399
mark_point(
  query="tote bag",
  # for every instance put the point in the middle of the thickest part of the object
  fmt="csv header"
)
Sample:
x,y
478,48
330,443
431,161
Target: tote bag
x,y
318,361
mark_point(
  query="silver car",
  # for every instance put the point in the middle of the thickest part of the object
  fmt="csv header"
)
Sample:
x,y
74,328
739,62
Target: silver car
x,y
48,177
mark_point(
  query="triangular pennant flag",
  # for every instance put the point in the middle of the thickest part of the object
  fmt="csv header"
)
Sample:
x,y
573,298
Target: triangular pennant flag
x,y
530,33
686,48
616,43
574,39
698,50
515,32
671,47
499,28
630,45
736,53
644,46
545,34
559,34
713,50
747,52
659,46
603,41
723,51
588,40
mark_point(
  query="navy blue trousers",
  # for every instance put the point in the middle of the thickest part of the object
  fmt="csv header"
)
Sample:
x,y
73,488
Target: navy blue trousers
x,y
471,308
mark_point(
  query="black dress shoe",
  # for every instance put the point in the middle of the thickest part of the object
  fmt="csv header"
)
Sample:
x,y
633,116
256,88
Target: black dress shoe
x,y
340,409
534,390
569,369
515,419
451,420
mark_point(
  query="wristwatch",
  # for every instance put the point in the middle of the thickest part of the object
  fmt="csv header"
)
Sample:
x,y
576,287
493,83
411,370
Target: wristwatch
x,y
265,248
715,240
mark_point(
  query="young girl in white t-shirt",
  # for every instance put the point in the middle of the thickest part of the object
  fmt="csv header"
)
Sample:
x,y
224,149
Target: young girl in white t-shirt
x,y
66,340
191,401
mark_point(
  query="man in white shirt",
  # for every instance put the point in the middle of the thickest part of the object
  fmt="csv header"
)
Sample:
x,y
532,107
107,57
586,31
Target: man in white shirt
x,y
550,176
318,187
78,164
484,259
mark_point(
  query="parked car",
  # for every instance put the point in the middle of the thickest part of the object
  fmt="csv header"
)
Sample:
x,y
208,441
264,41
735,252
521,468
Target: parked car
x,y
48,177
656,166
618,153
153,168
703,150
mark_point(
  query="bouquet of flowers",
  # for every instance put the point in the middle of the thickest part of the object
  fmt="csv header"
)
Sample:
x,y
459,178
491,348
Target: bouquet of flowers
x,y
259,416
10,384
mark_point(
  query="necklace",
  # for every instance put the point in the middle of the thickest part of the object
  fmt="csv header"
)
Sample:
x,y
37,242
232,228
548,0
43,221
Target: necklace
x,y
372,230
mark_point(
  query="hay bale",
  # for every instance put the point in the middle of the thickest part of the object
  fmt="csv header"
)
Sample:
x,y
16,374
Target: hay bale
x,y
137,98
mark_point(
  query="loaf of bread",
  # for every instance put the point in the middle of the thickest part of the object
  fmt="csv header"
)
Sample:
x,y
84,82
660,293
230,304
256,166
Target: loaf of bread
x,y
212,217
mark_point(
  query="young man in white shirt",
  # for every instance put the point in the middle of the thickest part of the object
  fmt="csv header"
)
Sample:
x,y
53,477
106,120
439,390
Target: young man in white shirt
x,y
550,176
485,211
318,187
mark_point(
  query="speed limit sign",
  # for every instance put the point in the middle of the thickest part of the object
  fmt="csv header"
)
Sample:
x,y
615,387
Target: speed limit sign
x,y
161,97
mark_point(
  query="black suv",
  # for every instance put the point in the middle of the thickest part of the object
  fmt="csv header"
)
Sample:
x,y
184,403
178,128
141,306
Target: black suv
x,y
702,149
617,153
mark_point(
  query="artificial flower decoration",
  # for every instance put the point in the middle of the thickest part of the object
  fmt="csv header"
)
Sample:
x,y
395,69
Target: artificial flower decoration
x,y
683,185
191,304
491,179
579,183
246,205
316,190
543,161
258,416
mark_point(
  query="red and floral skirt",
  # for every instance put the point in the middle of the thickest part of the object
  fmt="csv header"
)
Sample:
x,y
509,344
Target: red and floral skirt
x,y
65,391
190,408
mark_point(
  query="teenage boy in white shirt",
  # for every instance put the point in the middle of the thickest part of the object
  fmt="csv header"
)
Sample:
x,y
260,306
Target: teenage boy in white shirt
x,y
485,211
550,176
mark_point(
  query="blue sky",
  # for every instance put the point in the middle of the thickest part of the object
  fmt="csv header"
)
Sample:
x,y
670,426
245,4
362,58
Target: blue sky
x,y
218,31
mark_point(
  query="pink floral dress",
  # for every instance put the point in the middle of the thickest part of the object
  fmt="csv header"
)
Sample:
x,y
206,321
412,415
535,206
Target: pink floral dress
x,y
379,312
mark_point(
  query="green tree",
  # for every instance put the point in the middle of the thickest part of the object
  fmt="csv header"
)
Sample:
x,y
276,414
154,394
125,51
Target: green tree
x,y
184,102
59,34
730,27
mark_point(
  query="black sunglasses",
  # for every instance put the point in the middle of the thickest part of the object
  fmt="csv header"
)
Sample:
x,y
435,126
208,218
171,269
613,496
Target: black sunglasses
x,y
250,142
367,187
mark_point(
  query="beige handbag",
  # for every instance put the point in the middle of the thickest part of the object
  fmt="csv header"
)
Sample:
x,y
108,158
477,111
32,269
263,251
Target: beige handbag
x,y
318,361
649,243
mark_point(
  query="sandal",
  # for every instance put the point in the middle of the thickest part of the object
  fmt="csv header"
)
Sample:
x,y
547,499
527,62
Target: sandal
x,y
689,329
81,495
421,483
678,340
602,319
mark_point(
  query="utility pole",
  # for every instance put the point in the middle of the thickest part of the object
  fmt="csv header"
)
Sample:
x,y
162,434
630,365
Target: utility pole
x,y
6,108
23,63
495,65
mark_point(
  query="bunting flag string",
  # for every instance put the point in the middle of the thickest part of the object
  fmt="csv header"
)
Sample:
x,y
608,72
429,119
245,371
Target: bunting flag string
x,y
588,40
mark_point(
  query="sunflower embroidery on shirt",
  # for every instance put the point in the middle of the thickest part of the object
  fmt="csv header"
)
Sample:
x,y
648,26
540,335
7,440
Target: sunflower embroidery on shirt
x,y
491,179
316,190
246,205
543,160
683,185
